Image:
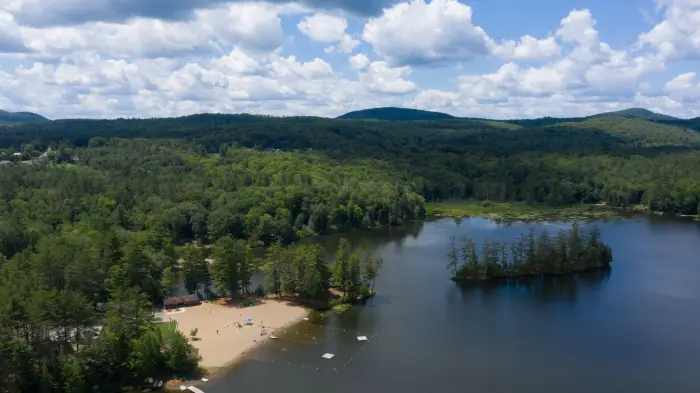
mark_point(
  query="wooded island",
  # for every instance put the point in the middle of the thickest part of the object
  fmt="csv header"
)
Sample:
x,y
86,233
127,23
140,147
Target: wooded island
x,y
568,252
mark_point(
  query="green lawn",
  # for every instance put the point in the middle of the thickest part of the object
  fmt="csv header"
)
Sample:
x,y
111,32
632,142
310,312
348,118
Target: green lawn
x,y
516,211
166,327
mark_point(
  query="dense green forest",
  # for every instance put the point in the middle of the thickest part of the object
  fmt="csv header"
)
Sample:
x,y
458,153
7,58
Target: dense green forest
x,y
97,232
297,271
106,222
304,271
617,161
405,114
568,252
179,193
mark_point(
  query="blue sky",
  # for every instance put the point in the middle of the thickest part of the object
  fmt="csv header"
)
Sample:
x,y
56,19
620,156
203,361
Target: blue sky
x,y
485,58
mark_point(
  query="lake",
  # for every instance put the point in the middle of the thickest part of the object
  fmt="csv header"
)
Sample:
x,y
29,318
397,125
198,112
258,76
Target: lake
x,y
634,328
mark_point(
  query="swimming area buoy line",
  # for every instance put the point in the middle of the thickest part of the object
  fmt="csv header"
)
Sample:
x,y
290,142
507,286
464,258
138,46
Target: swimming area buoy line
x,y
291,348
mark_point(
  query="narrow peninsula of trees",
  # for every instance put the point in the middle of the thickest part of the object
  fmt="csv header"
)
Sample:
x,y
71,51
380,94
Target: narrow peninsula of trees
x,y
570,251
299,271
303,271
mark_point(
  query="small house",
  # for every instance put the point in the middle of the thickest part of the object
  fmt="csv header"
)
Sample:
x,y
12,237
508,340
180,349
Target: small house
x,y
181,301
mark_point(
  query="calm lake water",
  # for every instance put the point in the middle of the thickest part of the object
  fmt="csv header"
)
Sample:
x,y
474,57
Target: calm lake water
x,y
635,328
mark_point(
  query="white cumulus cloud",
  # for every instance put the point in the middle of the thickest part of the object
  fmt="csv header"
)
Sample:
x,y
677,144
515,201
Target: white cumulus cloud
x,y
527,48
677,36
250,25
380,77
419,33
107,58
328,29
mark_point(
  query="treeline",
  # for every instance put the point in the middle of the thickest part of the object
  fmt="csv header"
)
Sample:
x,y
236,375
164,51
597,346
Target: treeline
x,y
76,310
76,305
617,161
57,340
303,270
568,252
178,193
92,241
300,271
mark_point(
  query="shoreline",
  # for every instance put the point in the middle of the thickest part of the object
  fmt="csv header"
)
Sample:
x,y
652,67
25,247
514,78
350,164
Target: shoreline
x,y
222,345
216,371
502,279
520,211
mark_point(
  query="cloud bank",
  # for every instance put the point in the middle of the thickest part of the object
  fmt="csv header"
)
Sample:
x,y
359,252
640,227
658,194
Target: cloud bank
x,y
111,58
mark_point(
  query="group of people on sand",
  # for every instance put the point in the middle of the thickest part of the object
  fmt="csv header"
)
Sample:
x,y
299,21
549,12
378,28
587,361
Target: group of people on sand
x,y
240,326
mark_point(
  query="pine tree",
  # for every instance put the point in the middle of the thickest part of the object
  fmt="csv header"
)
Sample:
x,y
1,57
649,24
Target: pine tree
x,y
341,272
370,270
194,267
530,249
313,273
225,269
534,256
223,149
465,247
273,268
354,275
245,265
473,257
453,256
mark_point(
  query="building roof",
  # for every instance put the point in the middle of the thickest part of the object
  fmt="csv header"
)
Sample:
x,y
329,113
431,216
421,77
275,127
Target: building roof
x,y
193,298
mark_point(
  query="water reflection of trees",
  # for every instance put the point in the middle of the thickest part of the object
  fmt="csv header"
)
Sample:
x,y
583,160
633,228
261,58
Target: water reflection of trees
x,y
369,239
544,289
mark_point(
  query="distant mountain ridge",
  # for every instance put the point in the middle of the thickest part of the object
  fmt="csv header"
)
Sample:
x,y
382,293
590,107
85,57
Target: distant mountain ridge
x,y
381,114
20,117
636,113
404,114
395,114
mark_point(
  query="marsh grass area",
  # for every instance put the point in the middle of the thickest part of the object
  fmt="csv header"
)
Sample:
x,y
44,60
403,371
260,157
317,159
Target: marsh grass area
x,y
519,211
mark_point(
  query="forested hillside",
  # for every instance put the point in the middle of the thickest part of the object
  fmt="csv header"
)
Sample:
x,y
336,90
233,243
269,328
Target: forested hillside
x,y
100,217
640,132
103,224
397,114
636,113
632,113
180,193
612,160
20,117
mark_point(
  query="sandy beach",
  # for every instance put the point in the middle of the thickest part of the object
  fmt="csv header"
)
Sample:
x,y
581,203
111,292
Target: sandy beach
x,y
219,349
